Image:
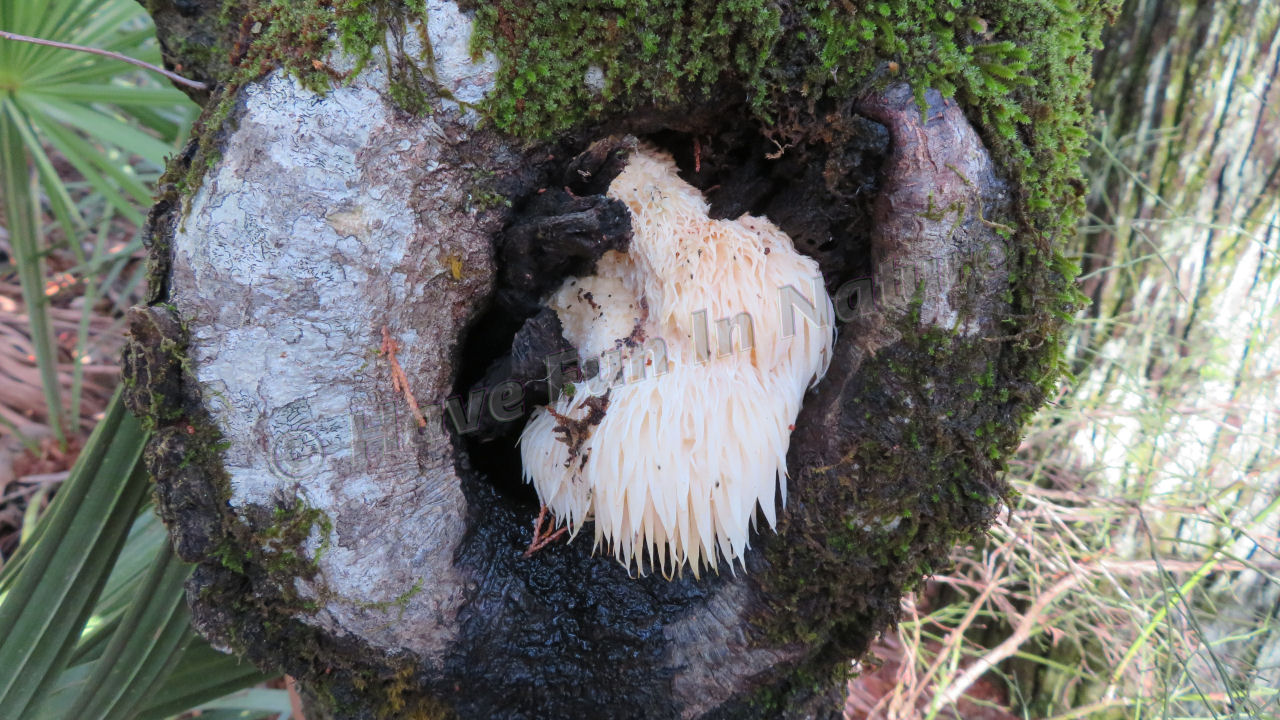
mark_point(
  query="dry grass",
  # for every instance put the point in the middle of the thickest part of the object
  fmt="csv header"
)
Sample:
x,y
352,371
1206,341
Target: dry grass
x,y
1138,575
32,463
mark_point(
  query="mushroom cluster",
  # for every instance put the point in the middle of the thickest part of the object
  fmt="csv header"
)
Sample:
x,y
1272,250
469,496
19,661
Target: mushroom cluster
x,y
706,335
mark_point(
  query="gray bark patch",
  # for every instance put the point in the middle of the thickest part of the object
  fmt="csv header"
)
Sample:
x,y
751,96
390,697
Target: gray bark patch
x,y
329,218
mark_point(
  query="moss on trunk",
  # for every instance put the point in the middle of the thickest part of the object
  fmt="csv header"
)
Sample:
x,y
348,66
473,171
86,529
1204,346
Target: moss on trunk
x,y
896,458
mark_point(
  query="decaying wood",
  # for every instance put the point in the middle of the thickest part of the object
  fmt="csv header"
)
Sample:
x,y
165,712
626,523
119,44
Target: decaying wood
x,y
330,217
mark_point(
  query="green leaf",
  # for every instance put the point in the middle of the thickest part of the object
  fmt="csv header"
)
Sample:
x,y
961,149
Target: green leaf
x,y
64,209
202,675
248,704
74,105
152,630
115,94
105,128
133,655
22,217
89,162
57,578
146,538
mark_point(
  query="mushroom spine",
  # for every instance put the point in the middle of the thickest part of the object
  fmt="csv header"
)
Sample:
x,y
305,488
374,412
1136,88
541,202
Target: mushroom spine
x,y
706,333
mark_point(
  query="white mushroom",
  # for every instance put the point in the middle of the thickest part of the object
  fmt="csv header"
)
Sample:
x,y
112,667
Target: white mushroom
x,y
675,460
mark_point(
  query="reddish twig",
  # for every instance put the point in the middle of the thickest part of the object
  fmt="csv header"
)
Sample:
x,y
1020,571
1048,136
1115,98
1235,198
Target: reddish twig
x,y
1022,633
539,540
105,53
295,700
400,382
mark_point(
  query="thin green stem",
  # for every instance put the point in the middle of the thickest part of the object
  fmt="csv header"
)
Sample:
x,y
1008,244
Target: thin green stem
x,y
17,185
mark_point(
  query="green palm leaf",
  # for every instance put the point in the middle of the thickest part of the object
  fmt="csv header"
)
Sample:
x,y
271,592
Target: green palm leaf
x,y
93,622
93,619
57,101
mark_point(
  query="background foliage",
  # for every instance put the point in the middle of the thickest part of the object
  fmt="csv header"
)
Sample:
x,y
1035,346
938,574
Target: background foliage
x,y
93,618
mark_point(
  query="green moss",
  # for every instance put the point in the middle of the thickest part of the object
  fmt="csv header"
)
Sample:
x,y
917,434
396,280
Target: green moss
x,y
227,554
282,543
483,194
186,444
404,700
921,476
260,553
1020,70
401,601
299,35
296,36
649,52
778,700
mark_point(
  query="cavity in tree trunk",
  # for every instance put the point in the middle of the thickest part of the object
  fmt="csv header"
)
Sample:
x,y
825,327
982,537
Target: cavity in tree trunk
x,y
359,242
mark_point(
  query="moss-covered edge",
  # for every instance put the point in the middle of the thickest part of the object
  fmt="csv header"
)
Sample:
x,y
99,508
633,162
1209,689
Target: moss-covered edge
x,y
1021,71
298,37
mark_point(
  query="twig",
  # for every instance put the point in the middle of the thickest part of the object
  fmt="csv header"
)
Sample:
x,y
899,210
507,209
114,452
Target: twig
x,y
1005,649
45,478
20,494
540,541
105,53
399,381
906,675
996,567
295,700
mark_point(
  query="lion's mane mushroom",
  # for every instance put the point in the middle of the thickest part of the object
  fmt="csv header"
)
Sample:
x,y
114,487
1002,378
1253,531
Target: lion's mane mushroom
x,y
682,432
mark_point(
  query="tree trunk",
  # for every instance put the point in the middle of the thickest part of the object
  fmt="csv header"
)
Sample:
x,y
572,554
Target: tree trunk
x,y
1180,265
373,207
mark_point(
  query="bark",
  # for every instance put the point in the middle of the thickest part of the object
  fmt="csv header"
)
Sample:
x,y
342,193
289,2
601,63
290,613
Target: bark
x,y
368,544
